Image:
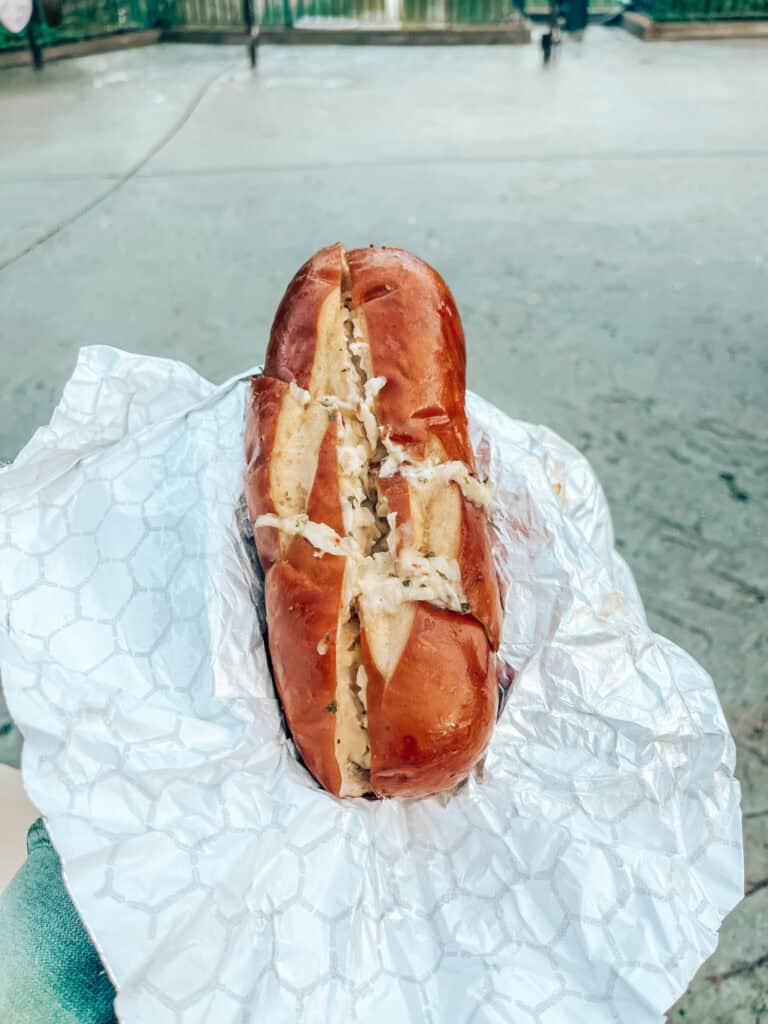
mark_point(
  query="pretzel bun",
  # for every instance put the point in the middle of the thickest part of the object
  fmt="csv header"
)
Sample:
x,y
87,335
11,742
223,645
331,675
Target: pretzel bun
x,y
383,607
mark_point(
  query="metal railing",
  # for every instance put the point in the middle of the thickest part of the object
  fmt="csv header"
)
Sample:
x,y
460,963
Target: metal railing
x,y
704,10
85,19
212,14
309,13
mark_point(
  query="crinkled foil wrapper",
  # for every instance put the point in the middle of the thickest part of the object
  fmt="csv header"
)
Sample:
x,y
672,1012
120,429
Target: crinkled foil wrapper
x,y
581,873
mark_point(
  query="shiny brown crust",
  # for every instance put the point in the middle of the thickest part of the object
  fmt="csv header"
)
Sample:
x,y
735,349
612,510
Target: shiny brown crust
x,y
303,596
293,338
431,719
417,343
302,593
478,573
266,400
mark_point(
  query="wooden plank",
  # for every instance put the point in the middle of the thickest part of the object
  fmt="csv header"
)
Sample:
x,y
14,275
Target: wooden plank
x,y
15,58
193,34
484,35
83,48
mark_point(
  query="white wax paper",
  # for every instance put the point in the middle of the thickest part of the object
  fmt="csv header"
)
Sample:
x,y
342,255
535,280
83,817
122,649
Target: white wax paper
x,y
579,876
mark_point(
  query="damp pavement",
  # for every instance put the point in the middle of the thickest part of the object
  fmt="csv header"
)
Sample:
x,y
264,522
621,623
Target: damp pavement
x,y
601,222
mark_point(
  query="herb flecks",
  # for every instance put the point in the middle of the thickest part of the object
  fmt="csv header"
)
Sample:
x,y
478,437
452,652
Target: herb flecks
x,y
464,607
332,707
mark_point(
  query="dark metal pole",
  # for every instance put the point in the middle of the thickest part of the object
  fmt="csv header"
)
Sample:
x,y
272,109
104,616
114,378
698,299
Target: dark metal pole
x,y
248,20
33,36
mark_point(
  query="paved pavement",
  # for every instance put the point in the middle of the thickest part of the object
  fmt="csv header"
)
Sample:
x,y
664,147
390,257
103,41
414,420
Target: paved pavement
x,y
17,815
602,224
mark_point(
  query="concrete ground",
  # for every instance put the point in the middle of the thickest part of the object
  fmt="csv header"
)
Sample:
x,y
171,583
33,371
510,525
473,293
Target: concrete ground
x,y
16,815
602,223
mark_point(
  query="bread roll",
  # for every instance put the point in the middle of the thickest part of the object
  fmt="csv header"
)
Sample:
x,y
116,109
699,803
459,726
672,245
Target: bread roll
x,y
371,525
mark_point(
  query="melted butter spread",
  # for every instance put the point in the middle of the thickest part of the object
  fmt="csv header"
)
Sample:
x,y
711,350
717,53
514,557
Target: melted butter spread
x,y
429,471
382,580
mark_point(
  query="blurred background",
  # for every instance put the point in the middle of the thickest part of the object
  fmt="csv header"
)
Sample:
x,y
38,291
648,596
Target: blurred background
x,y
600,217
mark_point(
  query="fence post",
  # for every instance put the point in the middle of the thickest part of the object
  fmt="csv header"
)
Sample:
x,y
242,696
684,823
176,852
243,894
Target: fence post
x,y
248,19
33,35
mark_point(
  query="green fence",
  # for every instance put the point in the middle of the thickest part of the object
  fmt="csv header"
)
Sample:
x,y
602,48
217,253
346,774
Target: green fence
x,y
704,10
85,19
309,13
204,13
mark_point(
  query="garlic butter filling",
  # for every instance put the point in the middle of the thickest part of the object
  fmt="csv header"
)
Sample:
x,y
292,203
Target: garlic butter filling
x,y
382,580
428,471
323,539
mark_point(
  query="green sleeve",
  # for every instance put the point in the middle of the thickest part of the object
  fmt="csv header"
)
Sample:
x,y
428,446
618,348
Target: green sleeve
x,y
50,972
